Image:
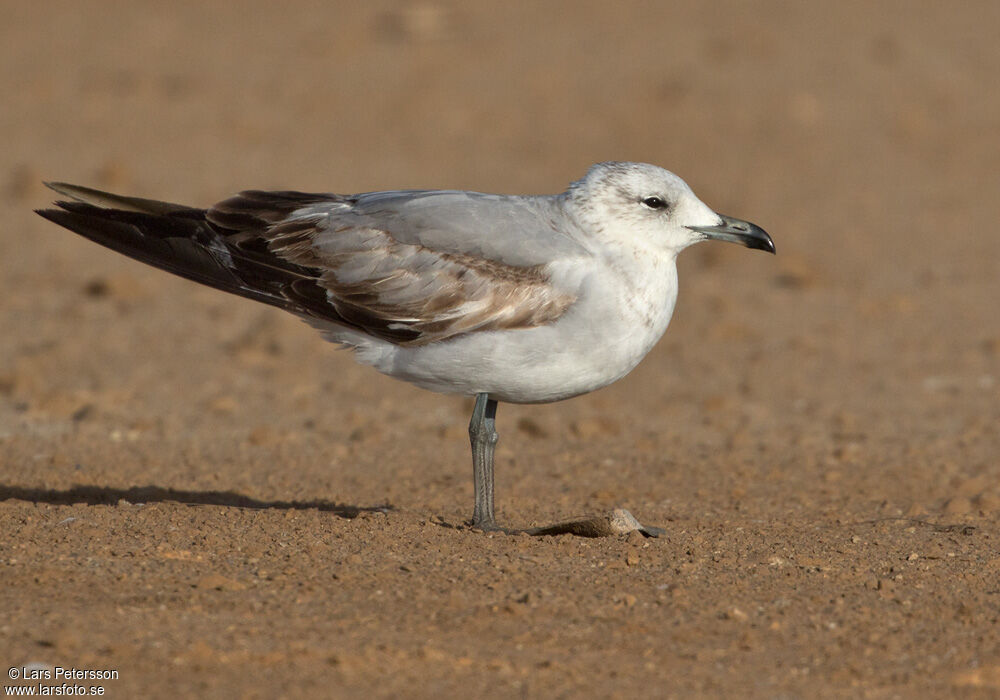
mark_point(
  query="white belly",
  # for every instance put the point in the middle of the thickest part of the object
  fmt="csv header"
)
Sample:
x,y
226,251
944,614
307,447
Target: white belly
x,y
600,339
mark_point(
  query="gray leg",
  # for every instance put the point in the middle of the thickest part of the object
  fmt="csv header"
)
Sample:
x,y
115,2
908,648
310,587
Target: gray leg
x,y
483,435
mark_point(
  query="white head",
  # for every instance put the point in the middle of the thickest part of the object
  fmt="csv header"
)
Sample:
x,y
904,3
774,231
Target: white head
x,y
646,202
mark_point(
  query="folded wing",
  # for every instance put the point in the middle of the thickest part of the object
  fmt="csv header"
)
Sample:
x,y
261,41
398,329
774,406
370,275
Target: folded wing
x,y
405,267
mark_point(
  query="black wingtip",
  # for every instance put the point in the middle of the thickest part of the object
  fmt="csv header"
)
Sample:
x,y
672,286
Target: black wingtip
x,y
49,214
65,217
58,215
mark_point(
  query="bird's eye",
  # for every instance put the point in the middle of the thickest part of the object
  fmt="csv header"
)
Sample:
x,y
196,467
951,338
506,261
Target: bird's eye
x,y
655,203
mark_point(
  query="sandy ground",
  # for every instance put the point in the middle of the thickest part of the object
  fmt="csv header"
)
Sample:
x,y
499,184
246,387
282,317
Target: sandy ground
x,y
199,493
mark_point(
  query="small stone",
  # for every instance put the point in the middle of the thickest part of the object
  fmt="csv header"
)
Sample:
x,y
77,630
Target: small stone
x,y
734,613
617,522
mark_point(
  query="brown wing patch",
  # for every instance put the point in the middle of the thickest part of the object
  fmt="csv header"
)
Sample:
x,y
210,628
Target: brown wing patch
x,y
411,295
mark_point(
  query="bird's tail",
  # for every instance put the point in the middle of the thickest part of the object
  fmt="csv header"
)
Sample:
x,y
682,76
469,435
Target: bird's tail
x,y
175,238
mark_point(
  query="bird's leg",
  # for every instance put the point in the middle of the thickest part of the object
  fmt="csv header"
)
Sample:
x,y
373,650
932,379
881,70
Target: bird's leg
x,y
483,435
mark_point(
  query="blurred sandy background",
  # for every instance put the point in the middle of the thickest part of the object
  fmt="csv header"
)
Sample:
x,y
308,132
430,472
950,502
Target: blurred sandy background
x,y
192,486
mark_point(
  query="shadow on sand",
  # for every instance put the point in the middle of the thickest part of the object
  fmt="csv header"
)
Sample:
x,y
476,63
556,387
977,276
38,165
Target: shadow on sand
x,y
102,495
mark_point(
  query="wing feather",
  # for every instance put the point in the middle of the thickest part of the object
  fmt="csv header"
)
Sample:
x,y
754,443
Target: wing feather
x,y
403,291
407,267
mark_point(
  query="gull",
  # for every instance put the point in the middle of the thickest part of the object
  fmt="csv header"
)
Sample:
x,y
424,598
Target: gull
x,y
522,299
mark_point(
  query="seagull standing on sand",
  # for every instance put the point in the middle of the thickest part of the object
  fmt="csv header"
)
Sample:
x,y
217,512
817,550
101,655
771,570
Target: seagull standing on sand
x,y
525,299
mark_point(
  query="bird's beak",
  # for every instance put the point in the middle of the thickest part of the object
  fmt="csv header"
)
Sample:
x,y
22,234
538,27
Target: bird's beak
x,y
738,231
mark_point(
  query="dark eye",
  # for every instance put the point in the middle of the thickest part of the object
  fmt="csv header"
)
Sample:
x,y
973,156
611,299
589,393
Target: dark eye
x,y
655,203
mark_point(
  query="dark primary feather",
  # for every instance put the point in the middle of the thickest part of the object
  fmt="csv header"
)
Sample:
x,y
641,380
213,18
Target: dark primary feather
x,y
182,241
315,256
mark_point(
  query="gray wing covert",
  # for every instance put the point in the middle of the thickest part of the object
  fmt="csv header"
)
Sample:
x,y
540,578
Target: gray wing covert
x,y
513,230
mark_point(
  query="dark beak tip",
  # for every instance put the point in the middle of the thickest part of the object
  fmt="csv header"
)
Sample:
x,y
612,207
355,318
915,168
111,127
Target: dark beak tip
x,y
738,231
758,238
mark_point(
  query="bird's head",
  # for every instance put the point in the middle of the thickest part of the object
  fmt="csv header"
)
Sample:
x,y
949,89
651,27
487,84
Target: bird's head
x,y
645,201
